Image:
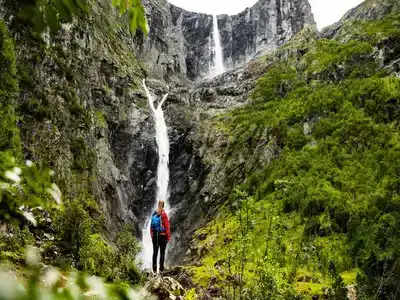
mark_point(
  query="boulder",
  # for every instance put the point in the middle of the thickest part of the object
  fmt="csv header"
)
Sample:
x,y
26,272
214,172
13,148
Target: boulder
x,y
165,288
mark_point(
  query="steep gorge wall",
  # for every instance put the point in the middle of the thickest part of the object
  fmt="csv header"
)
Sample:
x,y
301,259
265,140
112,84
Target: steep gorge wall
x,y
180,44
263,27
82,110
84,114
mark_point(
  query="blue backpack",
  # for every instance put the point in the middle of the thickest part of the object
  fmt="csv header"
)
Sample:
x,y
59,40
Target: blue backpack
x,y
156,223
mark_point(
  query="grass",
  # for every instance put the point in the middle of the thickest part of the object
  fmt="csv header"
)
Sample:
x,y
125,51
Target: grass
x,y
309,288
350,276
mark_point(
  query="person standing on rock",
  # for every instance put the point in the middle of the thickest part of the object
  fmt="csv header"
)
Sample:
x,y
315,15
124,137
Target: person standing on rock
x,y
160,235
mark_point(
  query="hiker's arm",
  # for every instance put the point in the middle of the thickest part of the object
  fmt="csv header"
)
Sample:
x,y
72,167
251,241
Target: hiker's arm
x,y
167,227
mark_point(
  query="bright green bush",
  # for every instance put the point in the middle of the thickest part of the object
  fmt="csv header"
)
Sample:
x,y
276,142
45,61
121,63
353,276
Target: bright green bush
x,y
128,249
98,257
13,243
76,222
80,227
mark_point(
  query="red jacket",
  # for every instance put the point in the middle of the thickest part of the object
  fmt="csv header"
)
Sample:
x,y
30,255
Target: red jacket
x,y
165,224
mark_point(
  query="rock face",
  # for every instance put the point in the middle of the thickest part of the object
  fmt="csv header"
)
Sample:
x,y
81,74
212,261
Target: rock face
x,y
165,288
180,45
367,10
85,115
179,51
82,111
263,27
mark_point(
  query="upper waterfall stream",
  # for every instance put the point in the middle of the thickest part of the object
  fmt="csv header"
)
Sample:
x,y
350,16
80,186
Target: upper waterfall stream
x,y
162,172
219,67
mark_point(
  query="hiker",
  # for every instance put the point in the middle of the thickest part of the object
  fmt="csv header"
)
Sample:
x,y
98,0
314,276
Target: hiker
x,y
160,235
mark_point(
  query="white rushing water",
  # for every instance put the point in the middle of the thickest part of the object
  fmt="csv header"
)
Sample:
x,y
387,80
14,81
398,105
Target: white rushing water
x,y
162,172
219,58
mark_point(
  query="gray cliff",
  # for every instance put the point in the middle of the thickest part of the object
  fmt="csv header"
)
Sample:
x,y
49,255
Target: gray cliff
x,y
85,114
180,45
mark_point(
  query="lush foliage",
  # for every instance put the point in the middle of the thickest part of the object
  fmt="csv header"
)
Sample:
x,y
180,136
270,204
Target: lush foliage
x,y
31,211
18,185
53,13
79,226
52,283
9,138
327,208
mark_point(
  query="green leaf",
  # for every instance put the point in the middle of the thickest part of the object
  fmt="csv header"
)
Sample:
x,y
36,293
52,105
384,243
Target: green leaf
x,y
51,18
38,21
141,19
25,13
72,7
116,3
122,7
83,5
132,20
63,11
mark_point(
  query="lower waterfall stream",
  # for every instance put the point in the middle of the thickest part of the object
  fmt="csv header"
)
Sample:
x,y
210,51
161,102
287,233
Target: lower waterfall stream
x,y
162,140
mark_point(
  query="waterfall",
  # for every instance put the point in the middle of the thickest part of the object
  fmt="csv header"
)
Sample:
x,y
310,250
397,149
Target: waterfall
x,y
162,172
219,59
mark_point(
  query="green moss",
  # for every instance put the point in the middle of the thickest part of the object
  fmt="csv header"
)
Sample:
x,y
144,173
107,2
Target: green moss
x,y
371,31
83,155
9,133
350,277
38,109
96,256
329,55
142,103
100,118
310,288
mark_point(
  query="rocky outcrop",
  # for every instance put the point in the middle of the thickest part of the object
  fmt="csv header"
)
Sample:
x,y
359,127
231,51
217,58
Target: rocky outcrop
x,y
263,27
165,288
367,10
180,44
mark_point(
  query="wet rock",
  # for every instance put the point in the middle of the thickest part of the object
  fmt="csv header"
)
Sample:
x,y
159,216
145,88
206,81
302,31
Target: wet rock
x,y
235,279
213,280
202,236
352,292
182,276
165,288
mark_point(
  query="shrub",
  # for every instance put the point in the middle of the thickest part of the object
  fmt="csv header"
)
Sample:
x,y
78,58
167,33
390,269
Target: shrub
x,y
97,257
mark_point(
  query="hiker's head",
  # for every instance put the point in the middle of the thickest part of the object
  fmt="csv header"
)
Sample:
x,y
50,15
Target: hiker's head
x,y
160,207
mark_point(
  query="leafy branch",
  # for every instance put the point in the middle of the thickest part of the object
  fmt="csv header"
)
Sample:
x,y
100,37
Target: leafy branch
x,y
52,13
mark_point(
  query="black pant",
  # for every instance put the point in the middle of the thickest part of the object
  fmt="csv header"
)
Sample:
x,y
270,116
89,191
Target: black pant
x,y
159,241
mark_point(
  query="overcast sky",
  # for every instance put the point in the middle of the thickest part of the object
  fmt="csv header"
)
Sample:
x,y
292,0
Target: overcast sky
x,y
325,12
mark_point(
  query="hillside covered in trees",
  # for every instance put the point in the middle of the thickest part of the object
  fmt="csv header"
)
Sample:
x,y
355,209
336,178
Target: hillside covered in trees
x,y
284,170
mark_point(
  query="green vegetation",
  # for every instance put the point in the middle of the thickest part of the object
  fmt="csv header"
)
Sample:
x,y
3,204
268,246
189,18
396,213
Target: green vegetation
x,y
71,236
52,13
9,138
25,185
371,32
325,212
52,283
